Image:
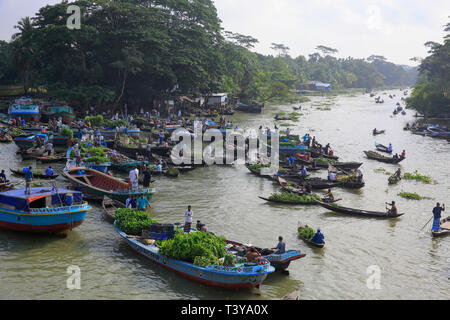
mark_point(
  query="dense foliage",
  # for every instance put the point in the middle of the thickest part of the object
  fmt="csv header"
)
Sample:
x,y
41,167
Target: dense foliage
x,y
306,232
133,51
66,132
431,95
132,221
200,248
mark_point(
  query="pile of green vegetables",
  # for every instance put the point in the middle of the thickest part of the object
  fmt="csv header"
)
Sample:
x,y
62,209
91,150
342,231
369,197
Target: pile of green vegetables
x,y
95,121
410,196
66,132
306,232
17,132
293,197
133,222
97,160
393,179
200,248
322,161
348,178
173,172
255,166
418,177
111,124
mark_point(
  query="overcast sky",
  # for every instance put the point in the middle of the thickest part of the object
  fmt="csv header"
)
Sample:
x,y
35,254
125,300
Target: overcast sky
x,y
396,29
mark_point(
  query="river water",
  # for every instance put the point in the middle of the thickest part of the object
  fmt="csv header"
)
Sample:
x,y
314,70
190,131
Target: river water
x,y
412,265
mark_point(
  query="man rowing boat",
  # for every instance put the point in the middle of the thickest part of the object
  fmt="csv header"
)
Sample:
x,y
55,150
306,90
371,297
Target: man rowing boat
x,y
393,211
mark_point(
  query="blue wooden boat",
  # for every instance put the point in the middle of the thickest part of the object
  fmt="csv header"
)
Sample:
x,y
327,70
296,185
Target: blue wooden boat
x,y
243,276
44,210
24,108
27,141
289,150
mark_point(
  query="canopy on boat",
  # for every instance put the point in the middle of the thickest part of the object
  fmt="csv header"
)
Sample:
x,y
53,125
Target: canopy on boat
x,y
21,201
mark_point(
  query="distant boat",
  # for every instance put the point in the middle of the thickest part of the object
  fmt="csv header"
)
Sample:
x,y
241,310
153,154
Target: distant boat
x,y
65,112
44,210
24,108
100,184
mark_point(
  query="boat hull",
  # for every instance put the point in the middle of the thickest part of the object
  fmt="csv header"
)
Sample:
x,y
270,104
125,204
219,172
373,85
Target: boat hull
x,y
209,276
60,219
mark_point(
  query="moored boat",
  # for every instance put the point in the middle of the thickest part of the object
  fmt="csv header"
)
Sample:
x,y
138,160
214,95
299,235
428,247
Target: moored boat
x,y
109,208
24,108
44,210
100,184
35,175
31,153
382,148
244,276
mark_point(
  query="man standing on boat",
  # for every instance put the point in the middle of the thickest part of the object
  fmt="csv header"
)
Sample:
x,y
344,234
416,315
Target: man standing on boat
x,y
188,214
49,148
134,179
437,217
28,179
147,177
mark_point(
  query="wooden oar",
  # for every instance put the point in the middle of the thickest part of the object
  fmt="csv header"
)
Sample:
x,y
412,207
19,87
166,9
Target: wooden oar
x,y
426,224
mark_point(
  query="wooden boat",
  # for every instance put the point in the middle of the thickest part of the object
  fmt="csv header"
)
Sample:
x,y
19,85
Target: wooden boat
x,y
31,153
382,148
6,138
109,207
294,188
54,158
279,261
378,132
131,152
35,175
100,184
358,212
308,241
376,156
242,276
44,210
30,141
297,203
445,228
340,165
250,109
317,153
319,183
257,172
352,184
127,166
5,186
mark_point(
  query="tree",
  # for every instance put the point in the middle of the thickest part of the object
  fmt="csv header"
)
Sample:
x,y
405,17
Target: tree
x,y
326,50
281,48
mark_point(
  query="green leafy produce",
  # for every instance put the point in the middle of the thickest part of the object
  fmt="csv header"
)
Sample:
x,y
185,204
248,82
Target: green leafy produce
x,y
200,248
173,172
322,161
66,132
132,221
97,160
410,196
417,176
17,132
393,179
95,121
293,197
255,166
349,178
306,232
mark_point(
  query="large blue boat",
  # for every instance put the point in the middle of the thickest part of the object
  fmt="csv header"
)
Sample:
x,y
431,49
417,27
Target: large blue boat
x,y
24,108
242,276
43,210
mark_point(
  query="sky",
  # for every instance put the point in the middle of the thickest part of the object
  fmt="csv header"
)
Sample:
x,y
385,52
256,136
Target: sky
x,y
396,29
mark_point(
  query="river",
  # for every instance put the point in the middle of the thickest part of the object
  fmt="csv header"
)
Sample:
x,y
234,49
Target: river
x,y
412,264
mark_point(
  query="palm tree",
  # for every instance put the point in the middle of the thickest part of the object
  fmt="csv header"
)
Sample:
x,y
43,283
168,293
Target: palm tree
x,y
23,49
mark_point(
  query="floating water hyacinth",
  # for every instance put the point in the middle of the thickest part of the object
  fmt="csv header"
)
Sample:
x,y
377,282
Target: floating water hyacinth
x,y
418,177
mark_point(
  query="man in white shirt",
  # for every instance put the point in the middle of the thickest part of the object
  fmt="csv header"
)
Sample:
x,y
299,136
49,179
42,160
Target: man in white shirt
x,y
134,179
188,214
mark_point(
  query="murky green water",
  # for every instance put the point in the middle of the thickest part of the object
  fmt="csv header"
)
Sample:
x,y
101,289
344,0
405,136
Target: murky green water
x,y
413,265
